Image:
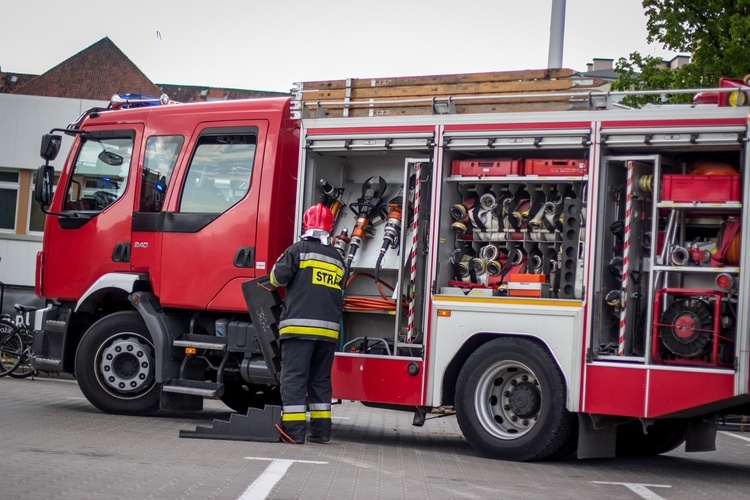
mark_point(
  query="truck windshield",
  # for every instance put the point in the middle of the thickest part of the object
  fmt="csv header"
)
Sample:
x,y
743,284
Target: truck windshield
x,y
100,173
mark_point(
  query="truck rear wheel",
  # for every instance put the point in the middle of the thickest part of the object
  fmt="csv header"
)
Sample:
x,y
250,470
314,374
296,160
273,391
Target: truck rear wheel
x,y
241,396
510,402
663,436
115,365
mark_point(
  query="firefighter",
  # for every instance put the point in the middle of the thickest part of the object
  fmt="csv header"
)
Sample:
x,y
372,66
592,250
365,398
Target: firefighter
x,y
311,271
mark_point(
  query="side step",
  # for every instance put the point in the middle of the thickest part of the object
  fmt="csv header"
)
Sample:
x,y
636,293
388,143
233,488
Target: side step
x,y
201,341
256,425
47,364
194,387
55,326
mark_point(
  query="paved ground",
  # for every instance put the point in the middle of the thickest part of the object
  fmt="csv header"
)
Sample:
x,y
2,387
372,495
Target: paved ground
x,y
56,445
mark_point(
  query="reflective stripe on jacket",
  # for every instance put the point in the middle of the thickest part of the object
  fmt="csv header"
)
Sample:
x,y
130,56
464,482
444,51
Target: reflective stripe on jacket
x,y
311,273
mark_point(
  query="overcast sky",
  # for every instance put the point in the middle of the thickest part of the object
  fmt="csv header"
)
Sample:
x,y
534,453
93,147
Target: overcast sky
x,y
270,44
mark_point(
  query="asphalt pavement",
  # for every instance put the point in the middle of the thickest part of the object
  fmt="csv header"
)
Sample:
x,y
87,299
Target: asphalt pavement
x,y
57,446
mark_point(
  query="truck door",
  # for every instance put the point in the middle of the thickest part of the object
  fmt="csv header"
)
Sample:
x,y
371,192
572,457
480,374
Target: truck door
x,y
159,161
91,236
209,229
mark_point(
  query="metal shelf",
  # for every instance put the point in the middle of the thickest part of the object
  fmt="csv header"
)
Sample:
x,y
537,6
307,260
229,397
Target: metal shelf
x,y
698,269
729,206
517,179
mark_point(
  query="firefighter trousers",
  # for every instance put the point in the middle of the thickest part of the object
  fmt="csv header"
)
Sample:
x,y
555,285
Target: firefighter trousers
x,y
306,383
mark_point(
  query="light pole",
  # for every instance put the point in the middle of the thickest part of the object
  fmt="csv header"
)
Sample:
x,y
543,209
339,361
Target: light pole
x,y
556,34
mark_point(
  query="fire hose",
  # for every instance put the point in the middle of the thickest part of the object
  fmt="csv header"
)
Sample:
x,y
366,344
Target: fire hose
x,y
362,303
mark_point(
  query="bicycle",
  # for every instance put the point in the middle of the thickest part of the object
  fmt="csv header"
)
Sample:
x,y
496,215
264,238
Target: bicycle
x,y
16,341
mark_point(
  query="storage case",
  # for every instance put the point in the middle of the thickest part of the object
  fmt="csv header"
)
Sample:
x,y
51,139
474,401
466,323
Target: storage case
x,y
525,285
700,188
487,167
550,167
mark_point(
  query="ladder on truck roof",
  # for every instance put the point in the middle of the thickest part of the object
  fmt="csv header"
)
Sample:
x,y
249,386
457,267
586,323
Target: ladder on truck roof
x,y
526,90
498,92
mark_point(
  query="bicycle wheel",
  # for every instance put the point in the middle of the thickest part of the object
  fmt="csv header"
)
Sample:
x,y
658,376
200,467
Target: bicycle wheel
x,y
24,368
11,349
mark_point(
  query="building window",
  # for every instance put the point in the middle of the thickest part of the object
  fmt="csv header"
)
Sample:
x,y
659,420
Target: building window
x,y
8,200
36,216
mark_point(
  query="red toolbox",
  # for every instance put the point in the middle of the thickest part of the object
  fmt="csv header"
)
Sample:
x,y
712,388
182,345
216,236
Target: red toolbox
x,y
549,167
486,167
700,188
525,285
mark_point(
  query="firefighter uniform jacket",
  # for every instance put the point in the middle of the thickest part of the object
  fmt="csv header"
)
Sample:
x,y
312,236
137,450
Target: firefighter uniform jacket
x,y
311,273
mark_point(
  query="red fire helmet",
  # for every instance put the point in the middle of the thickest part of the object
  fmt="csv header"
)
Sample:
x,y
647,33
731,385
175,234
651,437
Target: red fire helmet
x,y
318,217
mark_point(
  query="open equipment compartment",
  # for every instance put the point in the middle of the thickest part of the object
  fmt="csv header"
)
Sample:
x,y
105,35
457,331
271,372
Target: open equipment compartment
x,y
623,260
697,300
509,232
668,262
374,191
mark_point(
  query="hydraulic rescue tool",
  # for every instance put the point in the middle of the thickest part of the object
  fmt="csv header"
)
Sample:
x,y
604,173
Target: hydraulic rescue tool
x,y
364,209
392,230
331,197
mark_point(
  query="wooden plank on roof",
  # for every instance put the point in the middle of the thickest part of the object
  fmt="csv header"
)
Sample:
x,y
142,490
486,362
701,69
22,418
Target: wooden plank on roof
x,y
500,76
560,85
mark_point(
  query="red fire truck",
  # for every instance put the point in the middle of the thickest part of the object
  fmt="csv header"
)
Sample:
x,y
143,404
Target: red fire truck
x,y
562,271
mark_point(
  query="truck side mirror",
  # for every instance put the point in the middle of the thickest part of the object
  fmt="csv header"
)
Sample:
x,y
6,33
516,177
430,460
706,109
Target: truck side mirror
x,y
45,179
50,146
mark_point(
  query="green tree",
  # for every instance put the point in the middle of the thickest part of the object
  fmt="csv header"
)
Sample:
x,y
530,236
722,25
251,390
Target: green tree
x,y
715,32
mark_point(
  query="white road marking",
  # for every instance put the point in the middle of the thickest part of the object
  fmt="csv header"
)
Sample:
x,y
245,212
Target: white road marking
x,y
642,490
735,435
261,487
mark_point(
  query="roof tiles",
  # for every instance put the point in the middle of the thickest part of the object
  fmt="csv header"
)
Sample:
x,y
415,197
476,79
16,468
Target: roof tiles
x,y
102,70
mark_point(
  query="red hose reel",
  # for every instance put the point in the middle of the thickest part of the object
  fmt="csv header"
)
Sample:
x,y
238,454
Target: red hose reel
x,y
687,331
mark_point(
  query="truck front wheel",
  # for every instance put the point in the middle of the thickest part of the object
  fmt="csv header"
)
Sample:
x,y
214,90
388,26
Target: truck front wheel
x,y
510,402
115,365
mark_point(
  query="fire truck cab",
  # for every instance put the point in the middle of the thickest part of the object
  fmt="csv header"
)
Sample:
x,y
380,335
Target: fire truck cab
x,y
184,206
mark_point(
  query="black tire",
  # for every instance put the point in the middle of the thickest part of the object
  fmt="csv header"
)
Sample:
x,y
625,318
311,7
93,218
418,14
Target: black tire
x,y
241,396
663,436
11,349
115,365
510,402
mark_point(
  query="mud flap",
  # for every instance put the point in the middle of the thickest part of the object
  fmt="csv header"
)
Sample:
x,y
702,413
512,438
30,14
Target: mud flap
x,y
263,304
701,434
597,436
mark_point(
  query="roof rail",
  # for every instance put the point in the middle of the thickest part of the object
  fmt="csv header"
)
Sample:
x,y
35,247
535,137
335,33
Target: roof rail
x,y
517,91
123,101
